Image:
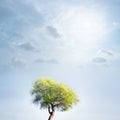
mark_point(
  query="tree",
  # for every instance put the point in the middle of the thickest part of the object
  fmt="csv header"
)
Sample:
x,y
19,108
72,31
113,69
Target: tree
x,y
53,96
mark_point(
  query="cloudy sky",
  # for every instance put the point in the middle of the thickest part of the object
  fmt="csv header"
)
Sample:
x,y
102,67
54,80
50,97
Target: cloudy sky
x,y
76,42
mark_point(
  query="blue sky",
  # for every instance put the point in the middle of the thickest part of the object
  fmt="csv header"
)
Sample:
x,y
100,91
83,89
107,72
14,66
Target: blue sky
x,y
75,42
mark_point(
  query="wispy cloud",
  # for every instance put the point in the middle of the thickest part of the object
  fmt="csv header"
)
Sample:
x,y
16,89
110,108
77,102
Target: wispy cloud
x,y
53,31
106,52
103,57
50,61
100,60
25,46
17,62
69,37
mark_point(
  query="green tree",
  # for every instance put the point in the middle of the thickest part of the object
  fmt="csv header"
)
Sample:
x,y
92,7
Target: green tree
x,y
53,96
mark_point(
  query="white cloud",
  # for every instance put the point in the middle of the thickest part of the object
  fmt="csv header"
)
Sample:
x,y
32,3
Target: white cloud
x,y
99,60
68,34
49,61
53,31
105,57
25,46
17,62
81,25
106,52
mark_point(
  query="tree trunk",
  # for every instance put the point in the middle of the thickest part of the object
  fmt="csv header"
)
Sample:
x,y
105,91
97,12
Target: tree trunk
x,y
51,111
51,115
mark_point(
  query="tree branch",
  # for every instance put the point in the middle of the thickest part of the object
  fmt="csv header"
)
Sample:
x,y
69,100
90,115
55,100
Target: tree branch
x,y
52,107
49,109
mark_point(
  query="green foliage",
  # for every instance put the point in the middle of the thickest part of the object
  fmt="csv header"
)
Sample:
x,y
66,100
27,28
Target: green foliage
x,y
48,92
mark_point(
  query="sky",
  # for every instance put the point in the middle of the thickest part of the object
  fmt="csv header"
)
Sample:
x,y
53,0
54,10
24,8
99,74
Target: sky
x,y
76,42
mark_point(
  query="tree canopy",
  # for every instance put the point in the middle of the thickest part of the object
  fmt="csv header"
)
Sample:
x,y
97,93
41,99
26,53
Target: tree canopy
x,y
53,95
